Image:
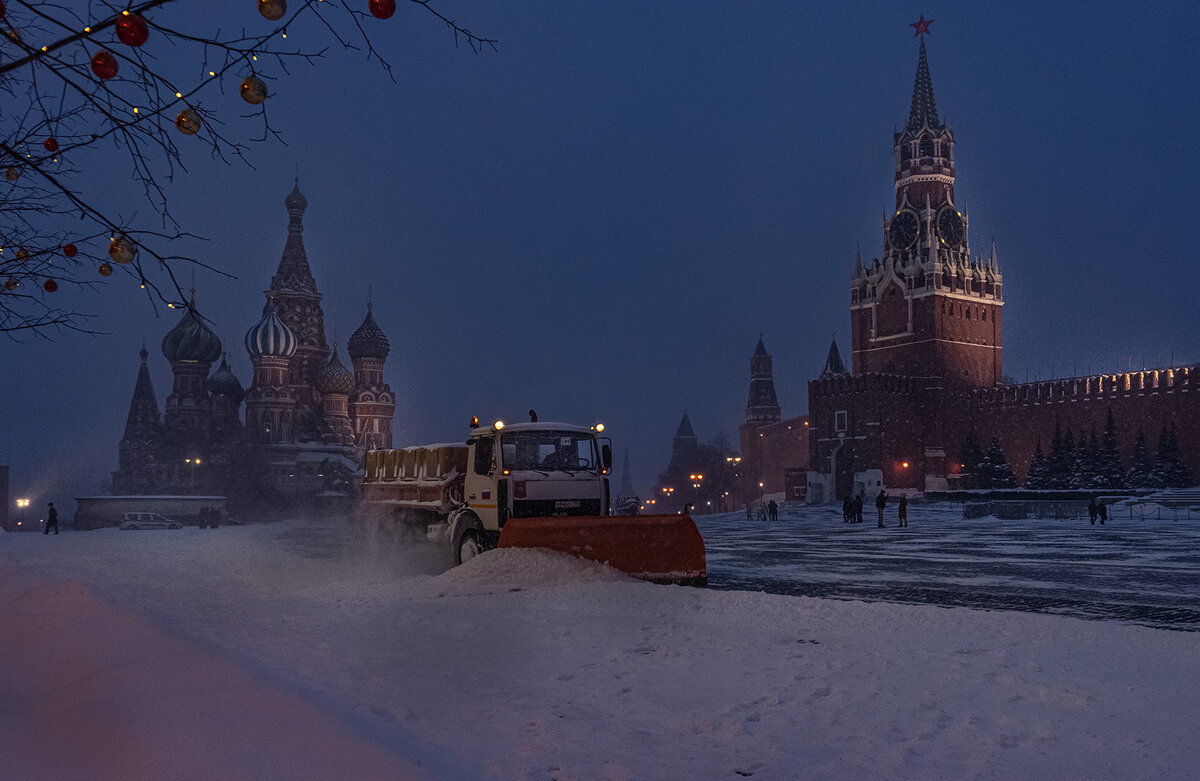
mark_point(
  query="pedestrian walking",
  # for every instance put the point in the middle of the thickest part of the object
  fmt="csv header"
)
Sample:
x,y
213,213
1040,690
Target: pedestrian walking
x,y
772,510
1093,510
749,511
858,508
902,510
51,519
1102,511
847,508
880,503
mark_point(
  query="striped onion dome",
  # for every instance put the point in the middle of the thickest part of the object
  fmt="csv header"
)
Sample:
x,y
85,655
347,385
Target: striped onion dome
x,y
368,341
223,382
271,336
191,339
335,378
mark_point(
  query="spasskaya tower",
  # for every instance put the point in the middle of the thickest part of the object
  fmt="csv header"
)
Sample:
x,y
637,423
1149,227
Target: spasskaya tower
x,y
927,308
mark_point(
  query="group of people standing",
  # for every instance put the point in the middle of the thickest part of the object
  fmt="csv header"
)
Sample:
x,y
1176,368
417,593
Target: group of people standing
x,y
1097,509
852,509
765,512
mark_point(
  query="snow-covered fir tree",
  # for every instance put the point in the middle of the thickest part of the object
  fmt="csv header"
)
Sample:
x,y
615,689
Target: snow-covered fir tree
x,y
1141,465
994,471
1169,469
1109,471
1038,477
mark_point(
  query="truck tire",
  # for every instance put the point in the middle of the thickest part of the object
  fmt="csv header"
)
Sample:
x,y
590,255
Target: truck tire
x,y
469,546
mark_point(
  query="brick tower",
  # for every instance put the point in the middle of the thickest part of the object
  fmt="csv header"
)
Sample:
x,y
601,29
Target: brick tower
x,y
927,308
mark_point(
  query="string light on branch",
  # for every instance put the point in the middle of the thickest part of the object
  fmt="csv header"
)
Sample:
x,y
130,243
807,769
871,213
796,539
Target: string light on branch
x,y
70,250
132,29
122,249
382,9
49,286
188,122
272,9
106,269
51,144
253,90
104,65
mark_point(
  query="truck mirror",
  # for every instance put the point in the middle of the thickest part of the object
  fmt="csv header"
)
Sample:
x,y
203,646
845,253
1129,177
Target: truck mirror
x,y
606,455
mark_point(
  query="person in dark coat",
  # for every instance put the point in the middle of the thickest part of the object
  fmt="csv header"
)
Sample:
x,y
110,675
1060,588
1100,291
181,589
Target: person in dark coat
x,y
1092,510
880,503
847,508
902,510
858,508
772,510
1102,511
51,519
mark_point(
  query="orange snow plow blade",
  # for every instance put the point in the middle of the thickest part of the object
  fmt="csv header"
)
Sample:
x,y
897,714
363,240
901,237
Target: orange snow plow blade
x,y
657,548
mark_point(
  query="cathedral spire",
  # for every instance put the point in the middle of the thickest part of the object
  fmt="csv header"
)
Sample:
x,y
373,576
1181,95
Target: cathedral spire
x,y
143,410
294,274
924,109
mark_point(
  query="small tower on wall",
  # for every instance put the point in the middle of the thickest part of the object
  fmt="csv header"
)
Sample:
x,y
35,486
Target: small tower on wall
x,y
270,408
926,308
372,404
335,383
191,347
684,446
136,452
763,406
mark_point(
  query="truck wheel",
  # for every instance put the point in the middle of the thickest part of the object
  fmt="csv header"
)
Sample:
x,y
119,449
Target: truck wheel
x,y
469,547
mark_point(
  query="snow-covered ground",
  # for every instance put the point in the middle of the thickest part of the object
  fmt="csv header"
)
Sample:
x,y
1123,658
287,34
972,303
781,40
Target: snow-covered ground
x,y
300,651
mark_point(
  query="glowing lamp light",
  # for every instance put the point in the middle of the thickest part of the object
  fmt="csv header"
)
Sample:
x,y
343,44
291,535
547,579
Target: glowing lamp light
x,y
499,424
904,465
599,426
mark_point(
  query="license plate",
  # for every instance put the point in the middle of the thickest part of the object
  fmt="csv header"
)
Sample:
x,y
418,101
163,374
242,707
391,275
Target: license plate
x,y
566,505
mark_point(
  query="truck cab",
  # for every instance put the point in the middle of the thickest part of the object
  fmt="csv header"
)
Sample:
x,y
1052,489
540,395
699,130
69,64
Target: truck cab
x,y
526,470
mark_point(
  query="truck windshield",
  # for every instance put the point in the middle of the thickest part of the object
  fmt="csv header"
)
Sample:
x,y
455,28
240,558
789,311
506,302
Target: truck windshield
x,y
564,451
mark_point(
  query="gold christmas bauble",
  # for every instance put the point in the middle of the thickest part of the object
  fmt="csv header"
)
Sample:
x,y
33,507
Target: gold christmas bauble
x,y
106,269
272,9
121,249
22,253
254,91
11,174
11,284
188,122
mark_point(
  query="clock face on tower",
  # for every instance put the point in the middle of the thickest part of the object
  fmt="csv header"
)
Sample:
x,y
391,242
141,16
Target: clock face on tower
x,y
950,227
903,230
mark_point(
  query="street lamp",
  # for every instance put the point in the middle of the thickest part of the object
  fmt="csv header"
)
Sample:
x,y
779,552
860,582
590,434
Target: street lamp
x,y
22,503
195,462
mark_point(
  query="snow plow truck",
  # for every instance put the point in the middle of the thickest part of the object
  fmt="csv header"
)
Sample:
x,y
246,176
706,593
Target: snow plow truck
x,y
526,485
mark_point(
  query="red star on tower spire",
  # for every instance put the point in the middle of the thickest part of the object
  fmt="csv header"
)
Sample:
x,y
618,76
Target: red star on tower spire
x,y
921,26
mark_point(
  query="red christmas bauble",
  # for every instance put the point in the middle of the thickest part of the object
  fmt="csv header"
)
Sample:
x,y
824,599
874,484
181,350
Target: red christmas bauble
x,y
104,65
50,286
70,250
51,144
132,30
382,9
3,10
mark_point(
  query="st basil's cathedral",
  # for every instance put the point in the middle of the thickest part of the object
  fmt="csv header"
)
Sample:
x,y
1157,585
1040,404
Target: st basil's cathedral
x,y
308,418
